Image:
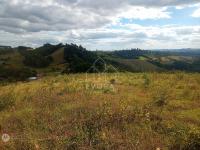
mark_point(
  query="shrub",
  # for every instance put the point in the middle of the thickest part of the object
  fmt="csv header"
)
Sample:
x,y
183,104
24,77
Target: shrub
x,y
112,81
6,102
188,140
146,81
161,98
180,76
193,140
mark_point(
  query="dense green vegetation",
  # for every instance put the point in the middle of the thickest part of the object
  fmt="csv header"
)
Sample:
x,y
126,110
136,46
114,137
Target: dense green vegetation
x,y
5,51
180,65
37,58
79,59
13,74
130,54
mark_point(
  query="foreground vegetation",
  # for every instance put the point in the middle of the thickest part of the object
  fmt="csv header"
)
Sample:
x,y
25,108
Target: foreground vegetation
x,y
141,111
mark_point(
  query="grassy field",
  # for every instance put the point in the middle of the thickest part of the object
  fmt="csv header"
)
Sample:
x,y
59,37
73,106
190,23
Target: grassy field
x,y
141,111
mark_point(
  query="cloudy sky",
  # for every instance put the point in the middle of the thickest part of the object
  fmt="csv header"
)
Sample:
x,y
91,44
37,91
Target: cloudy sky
x,y
101,24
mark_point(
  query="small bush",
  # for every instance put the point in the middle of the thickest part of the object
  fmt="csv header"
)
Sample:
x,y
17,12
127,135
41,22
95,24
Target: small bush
x,y
6,102
190,140
193,141
146,81
112,81
161,98
180,76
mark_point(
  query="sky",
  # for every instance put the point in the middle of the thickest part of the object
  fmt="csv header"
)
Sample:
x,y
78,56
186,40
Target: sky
x,y
101,24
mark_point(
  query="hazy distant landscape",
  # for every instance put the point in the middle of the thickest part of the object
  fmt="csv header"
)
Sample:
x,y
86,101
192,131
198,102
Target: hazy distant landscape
x,y
21,62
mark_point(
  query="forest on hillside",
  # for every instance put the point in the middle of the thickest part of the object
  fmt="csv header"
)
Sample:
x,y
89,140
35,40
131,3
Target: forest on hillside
x,y
71,58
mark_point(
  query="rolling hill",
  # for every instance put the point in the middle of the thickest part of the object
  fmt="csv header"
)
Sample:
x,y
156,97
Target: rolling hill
x,y
71,58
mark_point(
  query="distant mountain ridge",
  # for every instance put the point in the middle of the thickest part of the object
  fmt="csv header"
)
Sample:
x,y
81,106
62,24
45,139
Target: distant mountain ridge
x,y
72,58
5,47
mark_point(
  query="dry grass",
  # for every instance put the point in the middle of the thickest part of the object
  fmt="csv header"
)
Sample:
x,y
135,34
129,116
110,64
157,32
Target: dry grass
x,y
137,111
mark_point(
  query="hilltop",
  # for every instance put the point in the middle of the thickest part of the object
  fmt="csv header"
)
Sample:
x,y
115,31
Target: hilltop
x,y
22,62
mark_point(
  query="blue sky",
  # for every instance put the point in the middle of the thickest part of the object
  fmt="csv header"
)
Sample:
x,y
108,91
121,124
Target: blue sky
x,y
178,17
101,24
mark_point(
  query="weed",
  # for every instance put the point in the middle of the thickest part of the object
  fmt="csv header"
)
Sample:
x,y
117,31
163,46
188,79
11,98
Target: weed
x,y
146,81
6,101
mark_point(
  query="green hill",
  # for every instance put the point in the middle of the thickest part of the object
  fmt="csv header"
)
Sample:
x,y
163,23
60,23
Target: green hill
x,y
71,58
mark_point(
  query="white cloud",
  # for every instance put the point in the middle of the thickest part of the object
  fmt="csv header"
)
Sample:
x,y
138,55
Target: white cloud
x,y
90,23
127,36
196,13
145,37
179,7
60,15
144,13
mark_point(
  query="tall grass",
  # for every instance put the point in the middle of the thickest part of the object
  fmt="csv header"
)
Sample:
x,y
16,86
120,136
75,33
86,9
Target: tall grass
x,y
129,111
